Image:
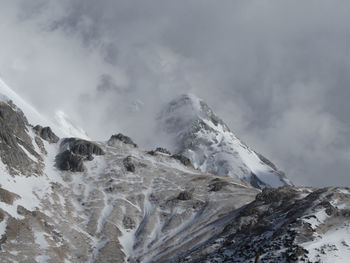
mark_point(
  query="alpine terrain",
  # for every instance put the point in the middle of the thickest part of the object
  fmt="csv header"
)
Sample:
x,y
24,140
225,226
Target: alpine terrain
x,y
66,198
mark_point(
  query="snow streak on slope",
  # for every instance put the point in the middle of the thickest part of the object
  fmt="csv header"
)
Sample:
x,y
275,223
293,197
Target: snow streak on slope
x,y
196,132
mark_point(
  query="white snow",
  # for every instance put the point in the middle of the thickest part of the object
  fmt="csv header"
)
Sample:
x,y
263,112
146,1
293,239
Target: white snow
x,y
3,225
40,239
31,156
316,218
332,247
62,126
67,126
214,149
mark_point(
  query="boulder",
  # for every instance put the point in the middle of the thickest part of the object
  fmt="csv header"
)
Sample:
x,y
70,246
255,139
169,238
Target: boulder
x,y
68,161
82,147
159,150
184,195
217,184
46,133
122,138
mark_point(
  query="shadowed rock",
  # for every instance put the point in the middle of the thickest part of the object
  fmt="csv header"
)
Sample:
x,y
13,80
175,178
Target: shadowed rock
x,y
184,195
128,222
46,133
15,143
120,138
75,152
184,160
68,161
82,147
159,150
217,185
128,164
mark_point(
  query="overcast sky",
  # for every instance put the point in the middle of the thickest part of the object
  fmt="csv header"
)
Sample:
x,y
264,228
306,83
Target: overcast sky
x,y
277,72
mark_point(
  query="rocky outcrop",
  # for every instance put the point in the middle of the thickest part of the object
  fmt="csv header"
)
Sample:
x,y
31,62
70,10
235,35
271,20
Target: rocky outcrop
x,y
16,148
46,133
195,131
129,165
74,152
68,161
159,150
183,159
280,225
8,197
216,185
121,138
82,147
184,195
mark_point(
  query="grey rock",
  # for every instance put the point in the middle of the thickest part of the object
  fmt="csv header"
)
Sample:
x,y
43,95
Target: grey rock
x,y
13,140
68,161
74,152
183,159
8,197
46,133
121,138
184,195
217,185
128,222
159,150
82,147
129,165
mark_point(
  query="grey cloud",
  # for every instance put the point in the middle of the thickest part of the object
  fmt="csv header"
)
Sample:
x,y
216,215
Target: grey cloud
x,y
276,72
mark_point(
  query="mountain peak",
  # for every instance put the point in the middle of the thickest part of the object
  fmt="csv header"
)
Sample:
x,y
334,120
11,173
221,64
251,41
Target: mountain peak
x,y
196,132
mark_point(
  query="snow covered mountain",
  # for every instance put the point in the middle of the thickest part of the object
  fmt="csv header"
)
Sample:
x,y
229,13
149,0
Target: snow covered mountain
x,y
74,200
60,123
197,133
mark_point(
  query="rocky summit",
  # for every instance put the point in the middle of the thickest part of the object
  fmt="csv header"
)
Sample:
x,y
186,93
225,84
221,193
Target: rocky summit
x,y
77,200
197,133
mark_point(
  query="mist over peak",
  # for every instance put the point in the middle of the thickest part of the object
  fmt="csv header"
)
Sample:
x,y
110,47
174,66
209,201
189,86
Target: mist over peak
x,y
273,71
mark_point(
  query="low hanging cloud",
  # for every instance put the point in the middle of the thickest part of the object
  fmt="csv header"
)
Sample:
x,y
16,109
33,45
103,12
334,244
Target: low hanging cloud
x,y
276,72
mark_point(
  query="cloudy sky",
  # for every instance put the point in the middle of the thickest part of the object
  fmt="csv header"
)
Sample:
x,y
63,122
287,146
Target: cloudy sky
x,y
277,72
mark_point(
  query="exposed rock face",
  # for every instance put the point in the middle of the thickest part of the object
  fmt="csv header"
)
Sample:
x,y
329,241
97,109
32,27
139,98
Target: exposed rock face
x,y
183,159
82,147
8,197
16,148
121,138
197,133
128,164
68,161
217,184
75,152
46,133
159,150
184,195
281,226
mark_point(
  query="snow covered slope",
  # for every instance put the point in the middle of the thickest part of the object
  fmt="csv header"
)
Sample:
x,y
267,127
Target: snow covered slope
x,y
81,201
61,123
196,132
125,205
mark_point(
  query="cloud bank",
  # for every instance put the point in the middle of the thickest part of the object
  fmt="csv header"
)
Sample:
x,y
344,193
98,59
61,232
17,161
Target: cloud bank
x,y
276,72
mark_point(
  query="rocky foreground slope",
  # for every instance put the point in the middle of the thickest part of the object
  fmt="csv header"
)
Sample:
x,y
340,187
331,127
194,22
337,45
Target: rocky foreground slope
x,y
73,200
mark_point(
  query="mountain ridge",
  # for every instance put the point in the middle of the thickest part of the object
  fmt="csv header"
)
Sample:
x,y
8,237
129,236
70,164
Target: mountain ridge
x,y
199,134
125,204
